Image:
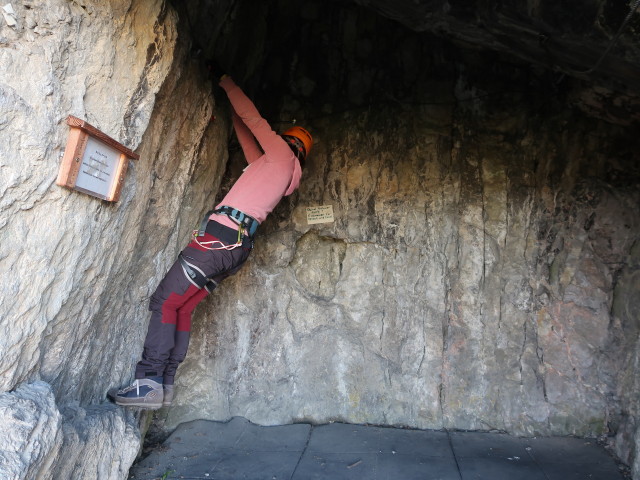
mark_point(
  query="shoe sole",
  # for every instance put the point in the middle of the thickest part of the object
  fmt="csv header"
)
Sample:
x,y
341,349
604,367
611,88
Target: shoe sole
x,y
146,405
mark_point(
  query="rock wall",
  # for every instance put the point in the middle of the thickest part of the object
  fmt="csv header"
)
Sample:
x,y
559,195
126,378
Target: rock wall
x,y
466,283
483,233
481,271
472,274
77,271
625,317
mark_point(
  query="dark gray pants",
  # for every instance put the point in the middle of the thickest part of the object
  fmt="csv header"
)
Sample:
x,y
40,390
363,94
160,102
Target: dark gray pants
x,y
172,304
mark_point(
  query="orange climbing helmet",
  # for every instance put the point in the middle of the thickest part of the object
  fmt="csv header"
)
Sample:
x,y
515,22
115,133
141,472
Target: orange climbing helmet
x,y
304,141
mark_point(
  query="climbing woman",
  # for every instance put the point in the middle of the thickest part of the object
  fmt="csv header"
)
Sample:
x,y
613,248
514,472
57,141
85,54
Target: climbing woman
x,y
218,249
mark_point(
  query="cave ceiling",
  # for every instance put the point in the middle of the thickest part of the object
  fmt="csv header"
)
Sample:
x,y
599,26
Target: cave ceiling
x,y
594,42
568,36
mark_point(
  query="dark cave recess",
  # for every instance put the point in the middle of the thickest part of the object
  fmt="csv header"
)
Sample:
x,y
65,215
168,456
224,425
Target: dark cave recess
x,y
350,53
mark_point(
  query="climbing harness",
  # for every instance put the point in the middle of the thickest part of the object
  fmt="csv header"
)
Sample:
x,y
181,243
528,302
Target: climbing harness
x,y
219,244
242,219
227,238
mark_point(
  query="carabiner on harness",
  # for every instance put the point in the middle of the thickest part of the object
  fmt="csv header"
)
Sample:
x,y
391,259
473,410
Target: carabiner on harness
x,y
225,240
222,246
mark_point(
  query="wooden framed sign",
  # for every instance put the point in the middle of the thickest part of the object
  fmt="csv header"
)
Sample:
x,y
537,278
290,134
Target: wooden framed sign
x,y
93,162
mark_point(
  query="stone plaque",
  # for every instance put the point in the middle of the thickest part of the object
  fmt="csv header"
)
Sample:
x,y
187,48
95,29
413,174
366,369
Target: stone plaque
x,y
93,162
320,214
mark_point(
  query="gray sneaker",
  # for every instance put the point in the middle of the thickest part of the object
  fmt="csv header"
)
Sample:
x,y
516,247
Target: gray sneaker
x,y
143,393
168,395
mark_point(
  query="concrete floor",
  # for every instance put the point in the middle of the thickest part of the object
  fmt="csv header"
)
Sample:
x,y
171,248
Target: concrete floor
x,y
239,449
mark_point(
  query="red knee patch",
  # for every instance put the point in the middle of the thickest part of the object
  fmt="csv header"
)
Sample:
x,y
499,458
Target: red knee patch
x,y
175,302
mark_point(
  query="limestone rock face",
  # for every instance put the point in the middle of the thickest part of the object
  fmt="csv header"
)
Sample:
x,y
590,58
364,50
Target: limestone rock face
x,y
100,441
77,271
38,441
29,412
481,271
465,283
483,233
626,305
55,260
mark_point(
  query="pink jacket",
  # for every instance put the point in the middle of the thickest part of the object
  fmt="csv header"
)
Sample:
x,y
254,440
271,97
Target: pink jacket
x,y
270,175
